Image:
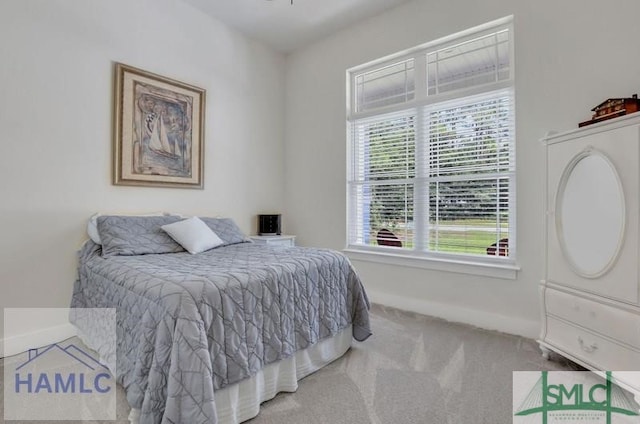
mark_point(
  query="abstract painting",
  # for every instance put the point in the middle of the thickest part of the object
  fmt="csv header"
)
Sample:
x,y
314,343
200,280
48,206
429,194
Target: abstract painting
x,y
158,130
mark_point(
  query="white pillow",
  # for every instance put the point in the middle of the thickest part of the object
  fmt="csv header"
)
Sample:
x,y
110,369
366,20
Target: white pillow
x,y
193,234
92,225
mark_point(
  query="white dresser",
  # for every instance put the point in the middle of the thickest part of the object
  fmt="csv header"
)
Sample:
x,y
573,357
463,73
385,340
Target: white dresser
x,y
590,294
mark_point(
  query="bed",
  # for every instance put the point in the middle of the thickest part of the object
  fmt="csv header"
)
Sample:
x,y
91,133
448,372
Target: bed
x,y
204,338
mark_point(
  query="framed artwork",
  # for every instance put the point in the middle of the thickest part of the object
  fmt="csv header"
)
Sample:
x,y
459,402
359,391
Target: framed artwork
x,y
158,130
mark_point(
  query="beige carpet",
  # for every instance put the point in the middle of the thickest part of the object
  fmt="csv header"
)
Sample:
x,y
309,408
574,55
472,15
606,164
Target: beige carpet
x,y
414,369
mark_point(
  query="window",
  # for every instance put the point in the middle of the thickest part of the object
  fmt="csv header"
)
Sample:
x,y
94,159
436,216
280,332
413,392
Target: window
x,y
432,150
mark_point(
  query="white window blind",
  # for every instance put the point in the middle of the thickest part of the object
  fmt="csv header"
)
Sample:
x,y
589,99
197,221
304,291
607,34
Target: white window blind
x,y
383,175
431,167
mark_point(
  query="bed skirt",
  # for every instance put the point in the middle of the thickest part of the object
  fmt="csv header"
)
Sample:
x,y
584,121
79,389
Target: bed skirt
x,y
241,401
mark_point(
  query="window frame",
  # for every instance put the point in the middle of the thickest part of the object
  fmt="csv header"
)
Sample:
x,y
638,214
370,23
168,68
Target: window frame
x,y
498,267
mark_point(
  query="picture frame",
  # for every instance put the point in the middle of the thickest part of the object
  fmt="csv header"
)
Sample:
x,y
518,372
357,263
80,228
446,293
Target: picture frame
x,y
158,130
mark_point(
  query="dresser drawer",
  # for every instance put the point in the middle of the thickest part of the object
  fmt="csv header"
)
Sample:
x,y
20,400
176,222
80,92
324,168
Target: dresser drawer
x,y
282,240
615,323
602,354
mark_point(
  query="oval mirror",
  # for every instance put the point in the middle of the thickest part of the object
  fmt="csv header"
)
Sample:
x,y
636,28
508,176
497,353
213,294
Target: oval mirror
x,y
590,214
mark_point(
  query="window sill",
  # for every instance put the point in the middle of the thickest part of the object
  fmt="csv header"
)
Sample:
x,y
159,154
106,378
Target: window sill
x,y
507,271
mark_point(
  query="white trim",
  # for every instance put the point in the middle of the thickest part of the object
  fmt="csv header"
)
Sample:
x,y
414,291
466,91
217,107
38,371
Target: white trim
x,y
553,137
14,345
475,317
471,94
507,271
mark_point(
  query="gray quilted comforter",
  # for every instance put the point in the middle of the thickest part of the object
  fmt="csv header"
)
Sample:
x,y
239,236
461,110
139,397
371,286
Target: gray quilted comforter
x,y
190,324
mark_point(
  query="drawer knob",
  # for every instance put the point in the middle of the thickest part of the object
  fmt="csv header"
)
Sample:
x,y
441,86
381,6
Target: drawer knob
x,y
587,348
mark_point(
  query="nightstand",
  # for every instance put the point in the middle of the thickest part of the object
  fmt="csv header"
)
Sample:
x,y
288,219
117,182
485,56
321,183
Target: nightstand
x,y
282,240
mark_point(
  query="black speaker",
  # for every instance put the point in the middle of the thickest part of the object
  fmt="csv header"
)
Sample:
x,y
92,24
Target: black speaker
x,y
269,225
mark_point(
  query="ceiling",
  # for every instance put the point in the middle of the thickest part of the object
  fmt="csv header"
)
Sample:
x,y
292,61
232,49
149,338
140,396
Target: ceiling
x,y
286,27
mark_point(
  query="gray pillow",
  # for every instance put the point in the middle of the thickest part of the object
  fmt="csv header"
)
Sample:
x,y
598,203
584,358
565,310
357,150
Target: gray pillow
x,y
226,229
136,235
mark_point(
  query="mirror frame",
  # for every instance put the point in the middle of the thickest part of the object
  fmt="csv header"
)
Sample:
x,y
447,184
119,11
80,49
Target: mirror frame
x,y
566,174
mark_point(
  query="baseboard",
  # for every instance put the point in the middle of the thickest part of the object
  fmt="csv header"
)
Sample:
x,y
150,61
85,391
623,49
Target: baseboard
x,y
14,345
477,318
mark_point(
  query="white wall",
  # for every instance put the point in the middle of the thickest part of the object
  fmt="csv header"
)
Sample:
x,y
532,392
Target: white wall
x,y
56,72
570,55
31,328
